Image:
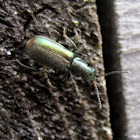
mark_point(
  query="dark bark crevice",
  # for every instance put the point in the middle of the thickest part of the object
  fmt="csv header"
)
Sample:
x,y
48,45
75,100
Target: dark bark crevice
x,y
111,55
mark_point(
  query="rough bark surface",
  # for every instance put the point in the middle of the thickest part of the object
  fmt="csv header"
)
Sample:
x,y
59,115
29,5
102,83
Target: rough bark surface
x,y
50,106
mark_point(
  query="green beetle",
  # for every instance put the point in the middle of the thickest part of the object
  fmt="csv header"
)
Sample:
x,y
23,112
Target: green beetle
x,y
52,54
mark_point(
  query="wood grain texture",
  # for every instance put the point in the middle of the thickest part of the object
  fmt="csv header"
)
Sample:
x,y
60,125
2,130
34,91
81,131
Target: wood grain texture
x,y
40,106
129,33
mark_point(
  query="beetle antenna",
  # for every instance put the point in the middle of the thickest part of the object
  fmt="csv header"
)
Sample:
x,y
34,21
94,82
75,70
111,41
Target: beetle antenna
x,y
96,88
111,73
97,93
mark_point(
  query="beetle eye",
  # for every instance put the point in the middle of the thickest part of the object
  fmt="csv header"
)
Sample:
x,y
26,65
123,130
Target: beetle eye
x,y
30,43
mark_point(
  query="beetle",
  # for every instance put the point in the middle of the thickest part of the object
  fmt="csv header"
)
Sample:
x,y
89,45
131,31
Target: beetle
x,y
49,53
52,54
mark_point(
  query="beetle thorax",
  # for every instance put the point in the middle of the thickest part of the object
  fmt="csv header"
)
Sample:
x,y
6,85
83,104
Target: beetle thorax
x,y
80,69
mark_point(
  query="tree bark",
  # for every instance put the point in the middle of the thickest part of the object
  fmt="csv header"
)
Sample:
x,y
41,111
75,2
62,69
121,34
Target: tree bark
x,y
47,105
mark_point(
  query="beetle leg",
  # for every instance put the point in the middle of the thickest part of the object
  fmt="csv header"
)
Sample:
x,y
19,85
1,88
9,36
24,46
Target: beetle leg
x,y
49,31
17,61
47,79
66,37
